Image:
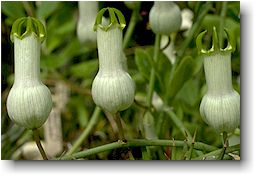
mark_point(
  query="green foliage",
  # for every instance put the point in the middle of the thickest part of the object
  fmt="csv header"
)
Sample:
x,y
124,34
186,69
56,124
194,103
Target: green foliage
x,y
178,88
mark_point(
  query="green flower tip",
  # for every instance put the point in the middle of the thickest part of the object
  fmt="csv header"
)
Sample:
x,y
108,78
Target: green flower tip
x,y
26,25
116,18
215,42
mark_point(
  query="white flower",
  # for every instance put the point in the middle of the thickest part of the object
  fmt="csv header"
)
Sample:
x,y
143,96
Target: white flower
x,y
220,107
113,89
29,102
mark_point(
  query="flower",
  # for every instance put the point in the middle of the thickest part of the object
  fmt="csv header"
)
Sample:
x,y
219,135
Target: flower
x,y
220,106
113,89
29,102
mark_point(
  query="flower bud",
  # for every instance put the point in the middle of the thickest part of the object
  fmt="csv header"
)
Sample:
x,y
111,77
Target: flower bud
x,y
220,107
87,13
29,102
113,89
165,17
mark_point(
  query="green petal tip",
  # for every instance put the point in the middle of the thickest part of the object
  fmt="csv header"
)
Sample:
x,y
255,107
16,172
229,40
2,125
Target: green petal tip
x,y
27,25
116,18
215,42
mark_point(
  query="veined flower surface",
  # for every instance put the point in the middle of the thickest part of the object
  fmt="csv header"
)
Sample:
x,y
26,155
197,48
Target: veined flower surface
x,y
220,106
29,102
113,89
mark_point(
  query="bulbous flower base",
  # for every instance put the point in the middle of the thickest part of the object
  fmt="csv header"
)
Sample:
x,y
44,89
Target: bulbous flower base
x,y
221,111
29,107
113,93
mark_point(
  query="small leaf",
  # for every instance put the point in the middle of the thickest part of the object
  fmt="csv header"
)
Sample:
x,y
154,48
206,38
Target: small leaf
x,y
83,115
85,69
162,70
182,73
189,93
142,60
13,9
46,8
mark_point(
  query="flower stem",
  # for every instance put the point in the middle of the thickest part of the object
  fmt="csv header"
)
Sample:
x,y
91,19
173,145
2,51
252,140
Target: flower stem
x,y
195,27
222,19
152,73
38,143
217,152
84,135
225,145
135,143
117,117
128,34
179,124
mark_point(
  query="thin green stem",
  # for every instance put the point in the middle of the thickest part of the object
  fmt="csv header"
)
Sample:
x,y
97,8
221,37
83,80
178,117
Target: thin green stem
x,y
38,143
87,130
222,19
128,34
29,9
190,153
134,143
225,145
194,28
152,73
117,118
173,155
217,152
179,124
180,54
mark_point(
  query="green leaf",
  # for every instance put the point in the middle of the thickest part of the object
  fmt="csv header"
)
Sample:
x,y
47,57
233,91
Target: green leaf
x,y
85,69
46,8
190,93
142,60
73,49
214,20
182,73
13,10
52,61
61,28
83,115
162,68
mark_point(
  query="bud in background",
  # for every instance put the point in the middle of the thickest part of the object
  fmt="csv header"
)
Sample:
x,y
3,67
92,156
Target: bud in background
x,y
29,102
87,13
165,17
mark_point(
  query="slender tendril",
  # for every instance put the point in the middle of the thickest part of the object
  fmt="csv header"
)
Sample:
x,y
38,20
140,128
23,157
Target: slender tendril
x,y
119,126
194,28
38,143
222,19
133,21
225,145
152,73
135,143
84,135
